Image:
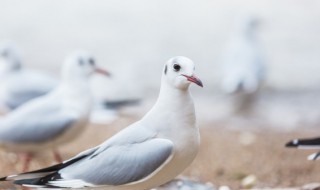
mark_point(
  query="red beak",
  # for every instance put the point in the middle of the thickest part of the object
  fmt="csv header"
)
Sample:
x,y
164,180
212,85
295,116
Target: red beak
x,y
194,79
102,71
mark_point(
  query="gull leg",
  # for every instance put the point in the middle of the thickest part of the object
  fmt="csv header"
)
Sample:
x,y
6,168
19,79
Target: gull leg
x,y
24,188
57,156
26,157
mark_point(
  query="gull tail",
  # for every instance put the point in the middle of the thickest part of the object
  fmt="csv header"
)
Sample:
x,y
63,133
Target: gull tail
x,y
304,143
41,182
38,178
42,178
315,156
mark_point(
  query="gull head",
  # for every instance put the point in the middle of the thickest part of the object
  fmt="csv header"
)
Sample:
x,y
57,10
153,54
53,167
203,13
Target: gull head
x,y
81,64
248,25
179,73
9,57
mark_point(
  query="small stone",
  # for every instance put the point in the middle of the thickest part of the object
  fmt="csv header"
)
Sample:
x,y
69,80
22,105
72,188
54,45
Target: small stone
x,y
179,183
224,188
186,184
249,181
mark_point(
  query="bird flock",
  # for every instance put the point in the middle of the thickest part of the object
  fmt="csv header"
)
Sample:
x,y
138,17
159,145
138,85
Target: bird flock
x,y
129,159
43,113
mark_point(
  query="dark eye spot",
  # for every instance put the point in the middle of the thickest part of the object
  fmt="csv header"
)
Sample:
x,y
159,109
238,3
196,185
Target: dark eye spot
x,y
165,70
81,62
176,67
4,53
91,61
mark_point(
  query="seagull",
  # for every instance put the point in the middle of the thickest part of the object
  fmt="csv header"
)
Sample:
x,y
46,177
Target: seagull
x,y
313,143
243,64
146,154
36,83
18,85
53,119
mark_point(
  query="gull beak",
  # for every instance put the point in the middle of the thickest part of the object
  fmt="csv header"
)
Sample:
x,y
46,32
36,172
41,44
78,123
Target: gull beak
x,y
194,79
102,71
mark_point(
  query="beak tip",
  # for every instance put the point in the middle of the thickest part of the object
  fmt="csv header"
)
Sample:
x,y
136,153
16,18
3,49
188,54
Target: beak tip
x,y
199,82
103,72
194,79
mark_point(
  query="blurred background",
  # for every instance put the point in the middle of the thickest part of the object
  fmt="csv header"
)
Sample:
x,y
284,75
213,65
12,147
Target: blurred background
x,y
133,39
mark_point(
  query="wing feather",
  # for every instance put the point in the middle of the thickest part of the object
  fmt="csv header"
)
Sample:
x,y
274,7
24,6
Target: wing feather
x,y
35,125
115,165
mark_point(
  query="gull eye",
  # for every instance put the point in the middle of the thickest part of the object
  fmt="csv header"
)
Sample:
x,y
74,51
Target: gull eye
x,y
176,67
91,61
4,54
80,61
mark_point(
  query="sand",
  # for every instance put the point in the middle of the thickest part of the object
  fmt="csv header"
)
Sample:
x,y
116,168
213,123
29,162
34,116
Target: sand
x,y
226,156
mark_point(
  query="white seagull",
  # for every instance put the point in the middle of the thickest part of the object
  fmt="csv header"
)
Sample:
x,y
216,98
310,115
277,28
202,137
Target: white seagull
x,y
242,63
18,85
53,119
144,155
312,143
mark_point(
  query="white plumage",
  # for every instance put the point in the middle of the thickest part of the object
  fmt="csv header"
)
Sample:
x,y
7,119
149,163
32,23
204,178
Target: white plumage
x,y
144,155
243,63
53,119
18,85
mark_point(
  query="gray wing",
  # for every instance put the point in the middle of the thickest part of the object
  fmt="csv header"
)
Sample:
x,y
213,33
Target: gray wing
x,y
37,177
27,85
35,125
117,165
18,98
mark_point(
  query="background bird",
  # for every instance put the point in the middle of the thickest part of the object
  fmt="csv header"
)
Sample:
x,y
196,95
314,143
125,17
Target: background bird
x,y
311,143
18,85
144,155
38,83
53,119
243,64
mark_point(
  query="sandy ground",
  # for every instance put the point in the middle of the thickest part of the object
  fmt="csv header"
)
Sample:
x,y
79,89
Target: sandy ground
x,y
225,158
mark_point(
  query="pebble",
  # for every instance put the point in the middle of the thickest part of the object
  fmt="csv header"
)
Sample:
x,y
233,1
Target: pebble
x,y
249,182
224,188
186,184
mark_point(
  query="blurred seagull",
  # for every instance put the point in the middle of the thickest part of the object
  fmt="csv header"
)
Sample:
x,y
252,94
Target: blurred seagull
x,y
313,143
243,65
17,84
53,119
144,155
